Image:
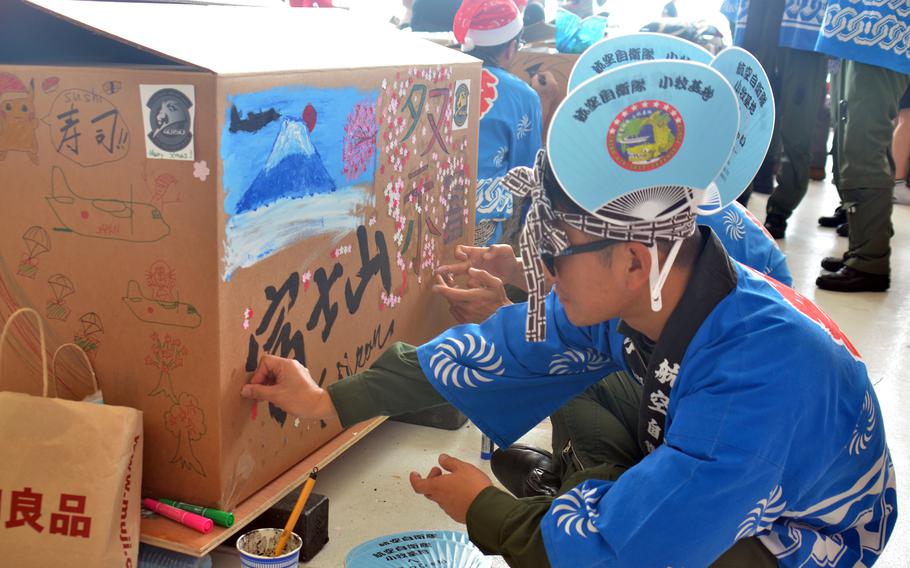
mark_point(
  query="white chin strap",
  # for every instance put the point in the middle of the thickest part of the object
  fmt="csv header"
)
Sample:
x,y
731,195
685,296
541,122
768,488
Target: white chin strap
x,y
658,275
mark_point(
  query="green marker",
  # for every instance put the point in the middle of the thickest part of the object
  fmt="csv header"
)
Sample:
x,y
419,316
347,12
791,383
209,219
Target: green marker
x,y
220,517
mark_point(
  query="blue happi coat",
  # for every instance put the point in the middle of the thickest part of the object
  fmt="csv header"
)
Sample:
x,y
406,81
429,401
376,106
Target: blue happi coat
x,y
510,136
799,27
747,240
875,32
772,430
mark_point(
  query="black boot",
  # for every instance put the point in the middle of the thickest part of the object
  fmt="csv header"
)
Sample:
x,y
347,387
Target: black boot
x,y
851,280
843,230
776,225
525,471
832,221
833,263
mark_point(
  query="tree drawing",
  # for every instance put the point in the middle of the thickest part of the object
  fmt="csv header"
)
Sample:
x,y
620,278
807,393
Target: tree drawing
x,y
166,356
186,422
359,139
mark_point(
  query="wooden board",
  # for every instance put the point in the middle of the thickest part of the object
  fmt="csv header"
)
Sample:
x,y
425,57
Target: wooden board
x,y
165,533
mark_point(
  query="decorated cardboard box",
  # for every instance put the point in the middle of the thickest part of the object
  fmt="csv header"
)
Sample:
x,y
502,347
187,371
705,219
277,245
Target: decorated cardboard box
x,y
184,188
534,59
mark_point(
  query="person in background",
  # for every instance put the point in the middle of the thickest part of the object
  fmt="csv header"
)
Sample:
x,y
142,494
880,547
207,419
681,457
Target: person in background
x,y
439,15
510,112
867,92
756,29
534,14
781,34
820,137
729,8
433,15
900,151
584,8
802,74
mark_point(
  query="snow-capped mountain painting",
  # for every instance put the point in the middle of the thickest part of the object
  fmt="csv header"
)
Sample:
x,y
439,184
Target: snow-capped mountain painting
x,y
294,169
287,176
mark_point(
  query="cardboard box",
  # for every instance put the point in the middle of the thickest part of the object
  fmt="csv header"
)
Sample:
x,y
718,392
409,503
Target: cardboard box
x,y
184,188
532,59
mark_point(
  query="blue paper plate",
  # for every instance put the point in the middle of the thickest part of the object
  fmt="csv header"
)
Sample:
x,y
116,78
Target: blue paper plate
x,y
756,116
615,52
425,549
659,124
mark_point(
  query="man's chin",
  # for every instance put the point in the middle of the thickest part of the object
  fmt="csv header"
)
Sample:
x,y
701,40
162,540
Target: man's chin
x,y
581,317
577,317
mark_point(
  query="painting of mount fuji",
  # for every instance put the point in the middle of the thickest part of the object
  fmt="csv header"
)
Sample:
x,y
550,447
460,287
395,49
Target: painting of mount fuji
x,y
298,162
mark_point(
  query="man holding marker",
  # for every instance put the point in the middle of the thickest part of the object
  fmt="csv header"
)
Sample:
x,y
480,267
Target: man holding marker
x,y
711,452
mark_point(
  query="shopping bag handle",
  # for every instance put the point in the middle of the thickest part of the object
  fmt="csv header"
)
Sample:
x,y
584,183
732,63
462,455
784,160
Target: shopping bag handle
x,y
88,363
8,326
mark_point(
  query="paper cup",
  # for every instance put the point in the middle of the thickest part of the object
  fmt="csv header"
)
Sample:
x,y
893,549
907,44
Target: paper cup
x,y
256,549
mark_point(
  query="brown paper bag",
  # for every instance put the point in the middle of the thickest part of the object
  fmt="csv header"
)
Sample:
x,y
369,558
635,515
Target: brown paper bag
x,y
70,478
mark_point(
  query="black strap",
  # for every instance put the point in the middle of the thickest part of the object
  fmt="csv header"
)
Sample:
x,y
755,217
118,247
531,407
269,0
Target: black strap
x,y
713,278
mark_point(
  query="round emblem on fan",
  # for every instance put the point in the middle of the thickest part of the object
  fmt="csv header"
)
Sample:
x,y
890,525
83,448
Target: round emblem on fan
x,y
645,135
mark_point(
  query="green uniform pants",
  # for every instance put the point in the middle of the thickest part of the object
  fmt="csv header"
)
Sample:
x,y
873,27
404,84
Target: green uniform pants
x,y
866,99
802,87
594,437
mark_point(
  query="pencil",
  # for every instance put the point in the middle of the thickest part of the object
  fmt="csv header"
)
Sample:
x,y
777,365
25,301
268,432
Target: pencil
x,y
295,514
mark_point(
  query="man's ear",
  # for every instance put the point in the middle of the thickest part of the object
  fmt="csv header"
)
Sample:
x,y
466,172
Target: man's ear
x,y
514,45
637,265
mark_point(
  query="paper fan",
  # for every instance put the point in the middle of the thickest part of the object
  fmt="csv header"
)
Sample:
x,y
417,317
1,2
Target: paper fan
x,y
615,52
756,111
651,203
662,126
425,549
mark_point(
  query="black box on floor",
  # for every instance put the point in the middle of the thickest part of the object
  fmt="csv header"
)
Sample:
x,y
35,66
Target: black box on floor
x,y
444,416
312,526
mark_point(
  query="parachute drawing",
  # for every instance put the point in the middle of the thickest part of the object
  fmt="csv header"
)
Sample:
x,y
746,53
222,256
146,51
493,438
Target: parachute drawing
x,y
36,243
61,287
88,338
91,324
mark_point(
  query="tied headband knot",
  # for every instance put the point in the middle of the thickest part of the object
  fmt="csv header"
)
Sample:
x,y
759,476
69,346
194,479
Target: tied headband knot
x,y
540,234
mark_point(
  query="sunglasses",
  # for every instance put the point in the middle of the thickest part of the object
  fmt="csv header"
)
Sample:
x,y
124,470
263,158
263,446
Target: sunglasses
x,y
549,259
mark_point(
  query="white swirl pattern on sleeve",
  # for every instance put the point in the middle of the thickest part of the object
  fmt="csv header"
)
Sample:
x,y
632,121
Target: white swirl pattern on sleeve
x,y
575,361
448,363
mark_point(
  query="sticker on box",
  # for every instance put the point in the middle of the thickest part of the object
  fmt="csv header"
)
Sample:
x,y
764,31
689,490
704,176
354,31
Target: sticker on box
x,y
168,113
462,105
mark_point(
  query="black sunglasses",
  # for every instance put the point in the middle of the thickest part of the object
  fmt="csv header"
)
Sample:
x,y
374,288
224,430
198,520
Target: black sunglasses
x,y
549,259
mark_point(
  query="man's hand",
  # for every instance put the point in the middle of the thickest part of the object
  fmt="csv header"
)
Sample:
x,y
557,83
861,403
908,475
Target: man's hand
x,y
498,260
288,385
454,491
483,295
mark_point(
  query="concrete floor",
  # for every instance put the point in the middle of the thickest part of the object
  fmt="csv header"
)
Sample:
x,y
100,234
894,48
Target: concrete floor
x,y
368,486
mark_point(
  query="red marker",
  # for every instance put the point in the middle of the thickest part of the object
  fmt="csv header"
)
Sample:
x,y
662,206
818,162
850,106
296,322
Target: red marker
x,y
192,520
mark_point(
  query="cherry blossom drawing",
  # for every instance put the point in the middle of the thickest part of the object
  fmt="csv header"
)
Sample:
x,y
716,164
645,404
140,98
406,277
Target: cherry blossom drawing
x,y
360,139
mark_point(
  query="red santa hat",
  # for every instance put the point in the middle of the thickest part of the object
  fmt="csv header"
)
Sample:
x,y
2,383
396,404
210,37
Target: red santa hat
x,y
11,87
486,23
